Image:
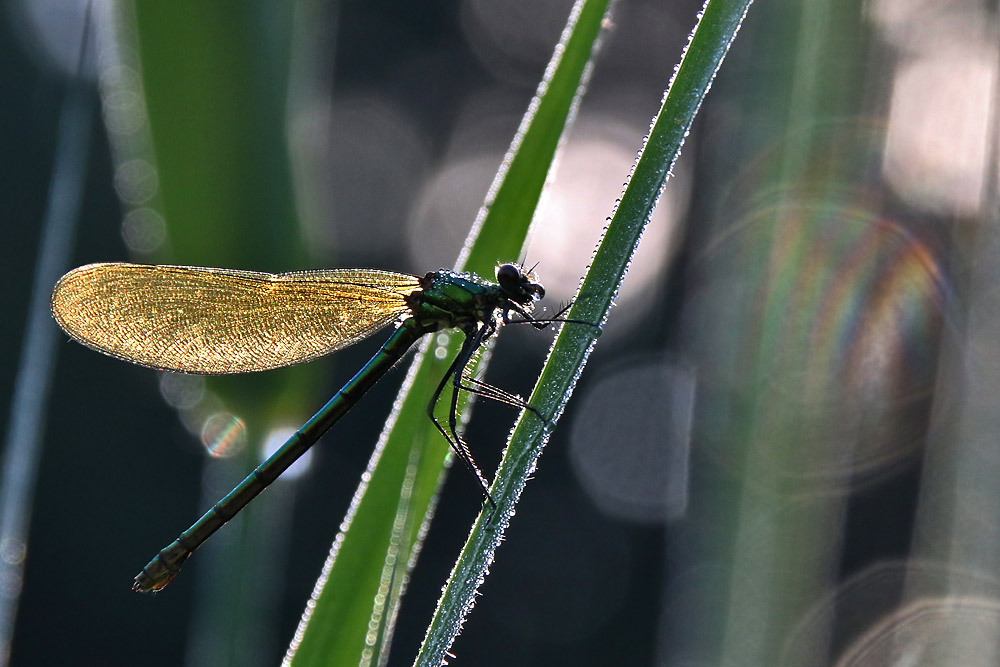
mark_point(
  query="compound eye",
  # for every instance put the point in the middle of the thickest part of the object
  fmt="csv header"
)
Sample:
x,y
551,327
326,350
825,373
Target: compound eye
x,y
509,278
537,291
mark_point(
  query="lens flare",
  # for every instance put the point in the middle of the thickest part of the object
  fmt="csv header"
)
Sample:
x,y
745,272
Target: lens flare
x,y
816,332
224,435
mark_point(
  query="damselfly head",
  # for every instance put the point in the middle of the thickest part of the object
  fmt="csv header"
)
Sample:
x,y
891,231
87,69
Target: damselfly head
x,y
519,286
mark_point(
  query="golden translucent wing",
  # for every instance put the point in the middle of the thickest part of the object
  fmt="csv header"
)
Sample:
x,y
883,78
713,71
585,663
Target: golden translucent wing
x,y
214,321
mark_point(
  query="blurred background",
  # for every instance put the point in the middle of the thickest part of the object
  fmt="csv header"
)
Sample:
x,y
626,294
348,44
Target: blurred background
x,y
784,449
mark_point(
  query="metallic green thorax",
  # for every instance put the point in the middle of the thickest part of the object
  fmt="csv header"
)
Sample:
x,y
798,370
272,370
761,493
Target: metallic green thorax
x,y
447,300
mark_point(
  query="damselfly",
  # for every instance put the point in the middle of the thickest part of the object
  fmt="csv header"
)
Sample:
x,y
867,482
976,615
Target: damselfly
x,y
219,321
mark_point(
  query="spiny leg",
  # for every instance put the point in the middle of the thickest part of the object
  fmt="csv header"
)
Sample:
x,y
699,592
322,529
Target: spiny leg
x,y
478,339
543,323
486,390
456,371
472,342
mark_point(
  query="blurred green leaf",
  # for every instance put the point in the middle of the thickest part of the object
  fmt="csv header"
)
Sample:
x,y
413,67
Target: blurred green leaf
x,y
214,78
214,81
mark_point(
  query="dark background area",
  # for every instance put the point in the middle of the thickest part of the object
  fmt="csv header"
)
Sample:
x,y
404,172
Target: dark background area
x,y
740,471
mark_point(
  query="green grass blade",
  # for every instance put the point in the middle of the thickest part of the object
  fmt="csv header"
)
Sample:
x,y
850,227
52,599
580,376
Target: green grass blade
x,y
353,606
713,34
